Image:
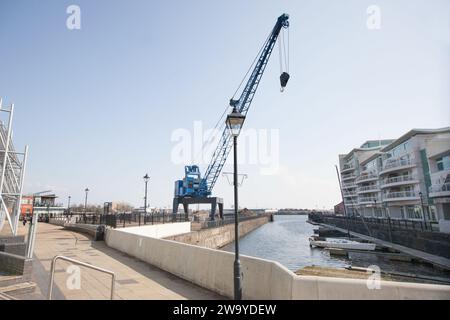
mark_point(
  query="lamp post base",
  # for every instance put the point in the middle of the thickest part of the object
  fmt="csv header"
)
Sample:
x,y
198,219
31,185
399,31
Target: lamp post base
x,y
237,280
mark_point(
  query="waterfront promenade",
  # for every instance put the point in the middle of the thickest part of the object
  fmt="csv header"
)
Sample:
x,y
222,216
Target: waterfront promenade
x,y
134,279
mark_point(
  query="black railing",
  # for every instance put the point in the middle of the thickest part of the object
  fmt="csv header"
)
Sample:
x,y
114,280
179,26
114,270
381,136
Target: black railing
x,y
393,224
228,220
122,220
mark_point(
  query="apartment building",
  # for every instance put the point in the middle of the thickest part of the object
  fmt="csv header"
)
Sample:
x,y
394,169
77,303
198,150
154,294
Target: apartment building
x,y
406,178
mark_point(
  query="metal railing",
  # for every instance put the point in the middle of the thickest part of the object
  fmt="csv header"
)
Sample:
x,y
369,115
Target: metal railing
x,y
401,194
397,163
398,179
367,199
347,167
52,273
373,188
122,220
348,176
229,220
367,177
393,224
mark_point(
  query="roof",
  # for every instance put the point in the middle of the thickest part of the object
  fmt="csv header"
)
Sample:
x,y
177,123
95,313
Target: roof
x,y
374,156
411,134
360,149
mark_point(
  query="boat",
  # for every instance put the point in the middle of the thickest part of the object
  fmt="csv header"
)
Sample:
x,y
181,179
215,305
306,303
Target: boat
x,y
341,244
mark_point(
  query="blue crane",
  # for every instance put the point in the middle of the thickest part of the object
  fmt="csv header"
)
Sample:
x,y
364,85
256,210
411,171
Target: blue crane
x,y
197,189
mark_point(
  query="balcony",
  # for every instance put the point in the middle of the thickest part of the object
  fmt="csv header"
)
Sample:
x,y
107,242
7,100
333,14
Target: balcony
x,y
401,196
400,180
347,168
399,164
367,200
349,194
369,189
441,190
347,177
367,177
350,185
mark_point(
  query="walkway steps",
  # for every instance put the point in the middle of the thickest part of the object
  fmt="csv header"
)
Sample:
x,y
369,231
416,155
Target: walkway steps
x,y
4,296
18,288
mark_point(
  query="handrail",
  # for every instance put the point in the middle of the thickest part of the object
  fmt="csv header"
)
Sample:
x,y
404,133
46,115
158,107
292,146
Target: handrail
x,y
52,273
399,179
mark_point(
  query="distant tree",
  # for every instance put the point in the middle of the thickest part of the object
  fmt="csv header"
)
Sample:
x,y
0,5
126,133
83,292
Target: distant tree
x,y
123,207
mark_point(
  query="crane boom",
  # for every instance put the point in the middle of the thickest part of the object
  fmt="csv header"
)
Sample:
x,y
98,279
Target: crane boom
x,y
243,104
193,185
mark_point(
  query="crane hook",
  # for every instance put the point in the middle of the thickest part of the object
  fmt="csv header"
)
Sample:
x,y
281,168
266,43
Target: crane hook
x,y
284,77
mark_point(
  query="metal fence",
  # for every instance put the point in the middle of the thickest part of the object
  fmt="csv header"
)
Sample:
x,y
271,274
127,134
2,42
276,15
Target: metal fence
x,y
123,220
393,224
229,220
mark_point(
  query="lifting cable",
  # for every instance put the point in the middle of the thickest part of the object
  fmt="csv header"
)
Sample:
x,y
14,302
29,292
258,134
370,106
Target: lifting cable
x,y
221,123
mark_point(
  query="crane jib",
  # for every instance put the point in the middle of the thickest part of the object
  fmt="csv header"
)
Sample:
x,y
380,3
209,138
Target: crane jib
x,y
193,185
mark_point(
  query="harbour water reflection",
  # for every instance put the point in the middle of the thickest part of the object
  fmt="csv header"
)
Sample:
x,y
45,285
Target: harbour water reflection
x,y
286,240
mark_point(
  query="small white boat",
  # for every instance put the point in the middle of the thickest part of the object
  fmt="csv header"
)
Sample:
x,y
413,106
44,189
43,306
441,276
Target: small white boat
x,y
341,244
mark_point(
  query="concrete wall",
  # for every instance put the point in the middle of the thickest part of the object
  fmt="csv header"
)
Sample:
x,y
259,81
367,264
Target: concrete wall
x,y
261,279
14,264
160,230
218,237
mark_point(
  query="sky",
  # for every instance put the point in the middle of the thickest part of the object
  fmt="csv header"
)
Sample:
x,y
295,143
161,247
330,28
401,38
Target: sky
x,y
100,106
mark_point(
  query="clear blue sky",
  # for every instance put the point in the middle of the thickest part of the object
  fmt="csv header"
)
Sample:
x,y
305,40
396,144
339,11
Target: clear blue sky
x,y
98,105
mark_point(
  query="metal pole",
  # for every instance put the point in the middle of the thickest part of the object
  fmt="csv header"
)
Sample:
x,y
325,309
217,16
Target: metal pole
x,y
85,201
343,202
22,176
68,206
237,262
423,210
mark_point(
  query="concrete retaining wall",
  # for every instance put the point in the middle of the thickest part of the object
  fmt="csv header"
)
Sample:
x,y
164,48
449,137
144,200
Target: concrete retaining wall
x,y
14,264
160,230
262,279
218,237
95,231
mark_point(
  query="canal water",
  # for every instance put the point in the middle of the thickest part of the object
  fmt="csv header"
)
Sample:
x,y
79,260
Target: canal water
x,y
286,240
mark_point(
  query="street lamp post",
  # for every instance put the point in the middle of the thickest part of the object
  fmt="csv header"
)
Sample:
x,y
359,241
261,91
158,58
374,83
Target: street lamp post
x,y
423,209
85,202
234,122
375,208
68,205
146,178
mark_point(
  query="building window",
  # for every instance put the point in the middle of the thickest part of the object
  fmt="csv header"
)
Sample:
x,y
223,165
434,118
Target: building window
x,y
443,163
411,212
432,213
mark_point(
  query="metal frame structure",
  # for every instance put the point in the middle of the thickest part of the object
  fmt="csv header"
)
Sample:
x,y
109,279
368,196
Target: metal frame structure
x,y
199,188
87,265
12,166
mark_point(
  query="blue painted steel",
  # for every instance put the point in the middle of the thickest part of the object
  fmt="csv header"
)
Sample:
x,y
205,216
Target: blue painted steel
x,y
193,185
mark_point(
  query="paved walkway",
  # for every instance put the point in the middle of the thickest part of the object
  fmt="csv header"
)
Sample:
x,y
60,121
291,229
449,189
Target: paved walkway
x,y
441,262
134,279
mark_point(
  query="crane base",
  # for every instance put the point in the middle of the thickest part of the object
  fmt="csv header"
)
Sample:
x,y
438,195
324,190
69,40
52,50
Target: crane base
x,y
214,201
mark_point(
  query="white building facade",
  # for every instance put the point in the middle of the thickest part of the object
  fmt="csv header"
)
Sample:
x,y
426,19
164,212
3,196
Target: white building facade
x,y
407,178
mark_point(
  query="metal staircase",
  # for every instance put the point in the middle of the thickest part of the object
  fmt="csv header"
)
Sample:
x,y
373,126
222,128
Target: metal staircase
x,y
12,171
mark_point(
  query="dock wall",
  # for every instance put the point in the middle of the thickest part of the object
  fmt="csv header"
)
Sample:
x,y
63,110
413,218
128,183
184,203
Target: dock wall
x,y
218,237
436,243
261,279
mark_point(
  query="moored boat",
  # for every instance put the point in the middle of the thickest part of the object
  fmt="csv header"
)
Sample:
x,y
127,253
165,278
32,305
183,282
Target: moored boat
x,y
341,244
